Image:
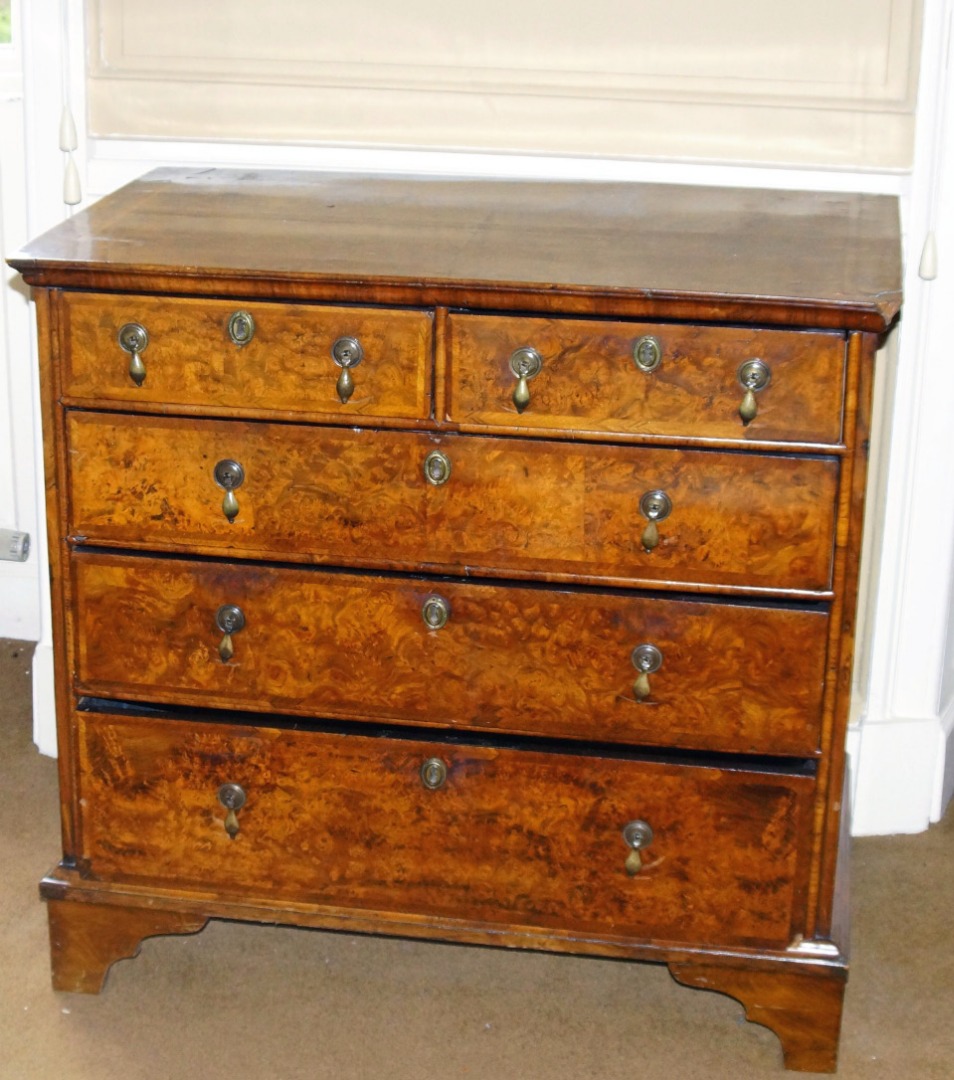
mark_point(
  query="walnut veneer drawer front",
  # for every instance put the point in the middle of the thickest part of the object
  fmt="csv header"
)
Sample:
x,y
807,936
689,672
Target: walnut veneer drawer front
x,y
500,835
730,677
249,357
456,503
647,378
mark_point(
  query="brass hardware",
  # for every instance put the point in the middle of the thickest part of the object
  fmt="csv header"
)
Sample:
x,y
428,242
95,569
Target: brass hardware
x,y
636,835
347,353
647,353
655,506
435,612
229,475
230,620
232,797
753,375
134,339
241,328
437,468
646,659
433,773
525,364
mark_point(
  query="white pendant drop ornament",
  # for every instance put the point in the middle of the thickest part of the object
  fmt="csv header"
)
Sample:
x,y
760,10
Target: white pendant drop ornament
x,y
72,192
68,139
927,268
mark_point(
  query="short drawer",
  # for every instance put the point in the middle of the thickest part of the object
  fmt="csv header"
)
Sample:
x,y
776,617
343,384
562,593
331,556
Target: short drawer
x,y
514,507
248,357
574,664
647,378
501,836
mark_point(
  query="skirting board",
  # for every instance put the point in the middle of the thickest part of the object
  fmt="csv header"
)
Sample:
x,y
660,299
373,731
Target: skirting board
x,y
947,771
20,604
44,700
891,760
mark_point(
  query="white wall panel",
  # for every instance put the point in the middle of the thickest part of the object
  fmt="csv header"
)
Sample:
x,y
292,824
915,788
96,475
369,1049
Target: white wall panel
x,y
19,504
823,82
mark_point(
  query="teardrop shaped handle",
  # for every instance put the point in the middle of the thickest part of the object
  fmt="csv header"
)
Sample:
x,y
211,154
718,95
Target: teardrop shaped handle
x,y
637,835
232,797
230,619
646,659
525,364
347,353
229,475
344,387
133,339
655,506
753,376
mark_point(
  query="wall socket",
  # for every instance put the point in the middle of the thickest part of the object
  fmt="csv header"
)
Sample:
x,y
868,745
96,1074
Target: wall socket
x,y
14,546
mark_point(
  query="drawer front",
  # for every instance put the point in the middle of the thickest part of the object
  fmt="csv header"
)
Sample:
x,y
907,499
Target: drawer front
x,y
510,836
285,366
509,659
589,380
508,506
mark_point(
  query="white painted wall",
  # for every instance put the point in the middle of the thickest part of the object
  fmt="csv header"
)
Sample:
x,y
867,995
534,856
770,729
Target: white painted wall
x,y
19,582
813,83
907,714
901,733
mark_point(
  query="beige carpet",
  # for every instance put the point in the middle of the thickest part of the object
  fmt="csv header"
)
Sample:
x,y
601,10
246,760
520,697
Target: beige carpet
x,y
266,1003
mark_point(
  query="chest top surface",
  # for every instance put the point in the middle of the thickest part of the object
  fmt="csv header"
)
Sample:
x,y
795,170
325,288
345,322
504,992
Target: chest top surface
x,y
625,248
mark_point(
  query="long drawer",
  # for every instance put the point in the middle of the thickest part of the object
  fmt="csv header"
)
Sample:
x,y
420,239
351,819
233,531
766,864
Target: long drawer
x,y
226,356
455,503
500,836
647,378
528,660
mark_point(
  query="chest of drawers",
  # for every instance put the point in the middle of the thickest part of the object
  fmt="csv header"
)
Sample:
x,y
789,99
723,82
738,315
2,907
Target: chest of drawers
x,y
465,560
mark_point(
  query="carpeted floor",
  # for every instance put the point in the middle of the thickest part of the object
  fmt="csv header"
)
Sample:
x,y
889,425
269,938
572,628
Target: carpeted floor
x,y
269,1003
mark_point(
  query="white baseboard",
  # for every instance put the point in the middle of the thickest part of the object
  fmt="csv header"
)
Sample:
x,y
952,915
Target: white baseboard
x,y
946,786
947,779
892,764
44,700
20,604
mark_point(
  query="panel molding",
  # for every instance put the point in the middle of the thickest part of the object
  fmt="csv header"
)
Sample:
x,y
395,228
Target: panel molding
x,y
829,86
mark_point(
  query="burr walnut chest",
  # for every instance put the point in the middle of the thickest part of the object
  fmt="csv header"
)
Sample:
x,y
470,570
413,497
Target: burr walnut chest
x,y
466,560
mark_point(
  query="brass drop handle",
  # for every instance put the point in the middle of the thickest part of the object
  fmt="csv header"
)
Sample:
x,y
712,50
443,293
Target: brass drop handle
x,y
437,468
753,375
433,773
646,660
229,475
230,619
241,328
655,506
637,835
435,612
134,339
525,364
232,797
347,353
